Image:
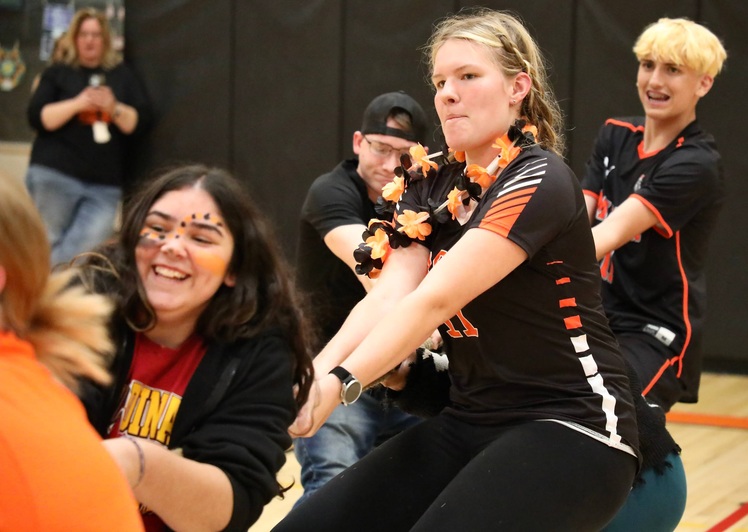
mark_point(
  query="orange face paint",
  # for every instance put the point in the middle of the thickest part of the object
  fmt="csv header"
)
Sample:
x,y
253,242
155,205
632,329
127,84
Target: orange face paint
x,y
211,262
149,235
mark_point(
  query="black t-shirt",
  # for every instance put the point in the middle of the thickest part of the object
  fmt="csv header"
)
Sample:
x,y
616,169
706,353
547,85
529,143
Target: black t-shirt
x,y
656,283
335,199
535,345
71,149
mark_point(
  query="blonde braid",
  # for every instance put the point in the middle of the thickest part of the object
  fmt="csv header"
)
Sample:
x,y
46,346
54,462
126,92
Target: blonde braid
x,y
539,106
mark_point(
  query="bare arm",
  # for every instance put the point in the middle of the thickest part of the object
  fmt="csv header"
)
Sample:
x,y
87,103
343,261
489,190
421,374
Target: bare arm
x,y
57,114
342,241
629,219
591,207
186,494
125,117
477,262
404,269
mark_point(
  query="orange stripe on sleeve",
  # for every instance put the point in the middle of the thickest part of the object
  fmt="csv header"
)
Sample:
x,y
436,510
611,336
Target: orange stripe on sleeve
x,y
593,195
563,280
665,230
568,302
573,322
505,210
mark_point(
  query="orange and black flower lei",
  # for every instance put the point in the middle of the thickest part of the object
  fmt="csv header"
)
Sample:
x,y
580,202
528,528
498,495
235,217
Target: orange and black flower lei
x,y
382,236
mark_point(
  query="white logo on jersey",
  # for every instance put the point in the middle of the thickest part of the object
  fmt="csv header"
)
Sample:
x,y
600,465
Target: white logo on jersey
x,y
638,184
608,169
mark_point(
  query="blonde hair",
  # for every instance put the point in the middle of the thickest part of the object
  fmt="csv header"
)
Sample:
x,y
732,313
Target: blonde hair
x,y
513,49
69,51
682,42
66,325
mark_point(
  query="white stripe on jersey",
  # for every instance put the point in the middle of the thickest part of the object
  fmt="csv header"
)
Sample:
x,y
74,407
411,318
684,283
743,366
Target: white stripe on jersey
x,y
609,402
523,178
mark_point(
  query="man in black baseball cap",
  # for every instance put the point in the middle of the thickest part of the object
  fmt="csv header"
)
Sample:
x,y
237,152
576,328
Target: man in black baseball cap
x,y
336,211
384,106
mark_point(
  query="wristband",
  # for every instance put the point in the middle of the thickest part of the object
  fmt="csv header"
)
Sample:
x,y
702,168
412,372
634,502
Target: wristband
x,y
141,459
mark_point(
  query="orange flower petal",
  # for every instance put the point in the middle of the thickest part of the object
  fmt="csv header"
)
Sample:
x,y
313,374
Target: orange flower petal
x,y
419,155
393,191
379,243
417,152
479,175
454,200
414,224
508,156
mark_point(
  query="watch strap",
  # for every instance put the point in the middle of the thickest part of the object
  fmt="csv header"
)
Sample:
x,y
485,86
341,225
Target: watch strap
x,y
341,373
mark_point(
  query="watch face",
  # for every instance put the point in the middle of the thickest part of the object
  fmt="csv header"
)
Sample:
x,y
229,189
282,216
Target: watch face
x,y
352,391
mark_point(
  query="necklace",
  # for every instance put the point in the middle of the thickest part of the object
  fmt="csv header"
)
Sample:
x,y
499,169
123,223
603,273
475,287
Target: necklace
x,y
382,236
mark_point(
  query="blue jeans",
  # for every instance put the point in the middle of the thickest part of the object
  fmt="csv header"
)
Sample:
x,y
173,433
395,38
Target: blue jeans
x,y
79,216
348,435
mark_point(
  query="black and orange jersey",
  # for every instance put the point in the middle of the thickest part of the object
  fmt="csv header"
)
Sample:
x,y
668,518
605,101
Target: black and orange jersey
x,y
656,284
535,345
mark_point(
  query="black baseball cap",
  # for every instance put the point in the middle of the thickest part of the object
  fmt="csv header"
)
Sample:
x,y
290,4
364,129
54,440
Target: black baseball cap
x,y
375,116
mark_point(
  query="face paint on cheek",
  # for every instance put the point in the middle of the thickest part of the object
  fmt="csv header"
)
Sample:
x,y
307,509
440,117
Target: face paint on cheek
x,y
211,262
150,239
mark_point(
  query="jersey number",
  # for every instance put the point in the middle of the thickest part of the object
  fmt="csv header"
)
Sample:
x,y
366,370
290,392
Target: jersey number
x,y
468,329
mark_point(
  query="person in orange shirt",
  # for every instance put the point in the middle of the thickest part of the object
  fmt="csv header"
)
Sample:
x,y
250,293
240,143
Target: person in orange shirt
x,y
56,474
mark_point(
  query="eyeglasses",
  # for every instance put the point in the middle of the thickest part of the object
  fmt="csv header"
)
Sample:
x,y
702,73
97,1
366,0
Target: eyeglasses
x,y
383,150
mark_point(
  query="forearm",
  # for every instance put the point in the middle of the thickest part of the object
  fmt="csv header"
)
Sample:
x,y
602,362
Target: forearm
x,y
623,224
402,328
591,204
403,272
605,241
125,117
57,114
356,327
186,494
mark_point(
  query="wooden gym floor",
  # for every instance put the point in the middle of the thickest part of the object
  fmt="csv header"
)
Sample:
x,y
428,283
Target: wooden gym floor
x,y
714,438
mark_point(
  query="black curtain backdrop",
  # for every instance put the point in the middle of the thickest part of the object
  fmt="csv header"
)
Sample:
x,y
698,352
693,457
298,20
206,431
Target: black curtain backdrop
x,y
274,90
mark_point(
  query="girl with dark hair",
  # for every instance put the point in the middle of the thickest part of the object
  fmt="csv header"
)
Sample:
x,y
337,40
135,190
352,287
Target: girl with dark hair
x,y
212,346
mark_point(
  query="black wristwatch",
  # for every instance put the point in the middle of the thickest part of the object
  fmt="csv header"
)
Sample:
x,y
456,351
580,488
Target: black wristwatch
x,y
352,389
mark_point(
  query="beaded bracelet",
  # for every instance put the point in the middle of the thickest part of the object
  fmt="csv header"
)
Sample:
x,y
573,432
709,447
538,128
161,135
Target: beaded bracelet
x,y
141,458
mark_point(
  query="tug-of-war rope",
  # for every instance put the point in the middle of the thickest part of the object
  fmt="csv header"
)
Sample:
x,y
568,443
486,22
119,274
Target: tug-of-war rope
x,y
382,236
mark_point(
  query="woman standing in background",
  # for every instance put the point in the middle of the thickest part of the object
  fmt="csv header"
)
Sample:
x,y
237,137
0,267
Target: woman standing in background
x,y
84,108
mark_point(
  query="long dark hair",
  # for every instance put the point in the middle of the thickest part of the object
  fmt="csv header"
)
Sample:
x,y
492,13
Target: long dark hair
x,y
263,296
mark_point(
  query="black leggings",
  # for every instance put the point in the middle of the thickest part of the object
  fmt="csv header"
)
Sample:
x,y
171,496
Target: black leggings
x,y
448,475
